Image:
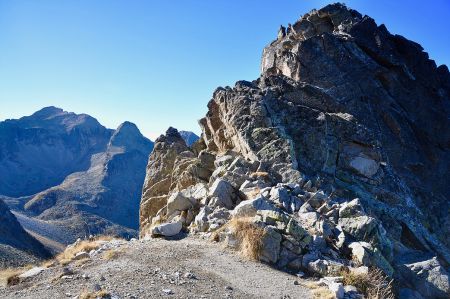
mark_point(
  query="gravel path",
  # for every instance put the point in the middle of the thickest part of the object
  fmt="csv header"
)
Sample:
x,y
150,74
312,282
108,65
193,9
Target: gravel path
x,y
187,268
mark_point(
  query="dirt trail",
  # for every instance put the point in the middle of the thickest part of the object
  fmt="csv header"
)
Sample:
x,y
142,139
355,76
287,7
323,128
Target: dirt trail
x,y
188,268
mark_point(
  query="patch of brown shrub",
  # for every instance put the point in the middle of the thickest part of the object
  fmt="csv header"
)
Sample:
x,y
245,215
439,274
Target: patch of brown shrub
x,y
374,284
248,235
94,295
67,255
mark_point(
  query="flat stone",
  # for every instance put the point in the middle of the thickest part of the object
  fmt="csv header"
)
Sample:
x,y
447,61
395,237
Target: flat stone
x,y
32,272
167,229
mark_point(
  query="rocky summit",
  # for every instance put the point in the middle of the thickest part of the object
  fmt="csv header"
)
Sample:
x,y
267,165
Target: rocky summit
x,y
339,152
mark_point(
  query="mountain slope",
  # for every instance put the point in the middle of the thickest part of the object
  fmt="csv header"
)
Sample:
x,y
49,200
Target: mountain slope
x,y
39,151
105,197
17,247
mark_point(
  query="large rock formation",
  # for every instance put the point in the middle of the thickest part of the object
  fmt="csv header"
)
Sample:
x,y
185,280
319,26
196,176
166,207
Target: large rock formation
x,y
17,247
80,177
340,151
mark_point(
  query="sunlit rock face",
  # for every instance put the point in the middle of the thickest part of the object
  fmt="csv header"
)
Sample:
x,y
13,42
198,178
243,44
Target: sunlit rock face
x,y
340,151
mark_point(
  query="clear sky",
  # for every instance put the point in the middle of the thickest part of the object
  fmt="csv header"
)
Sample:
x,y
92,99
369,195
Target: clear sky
x,y
157,62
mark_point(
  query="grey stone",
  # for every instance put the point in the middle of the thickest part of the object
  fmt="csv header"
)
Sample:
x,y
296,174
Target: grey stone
x,y
270,245
32,272
222,194
167,229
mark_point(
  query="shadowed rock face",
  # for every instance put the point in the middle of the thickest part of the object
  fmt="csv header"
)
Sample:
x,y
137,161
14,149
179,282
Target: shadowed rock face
x,y
16,245
39,151
353,122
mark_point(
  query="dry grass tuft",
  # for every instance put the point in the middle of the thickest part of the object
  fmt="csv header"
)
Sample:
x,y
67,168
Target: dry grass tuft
x,y
374,285
322,293
259,174
249,236
318,291
94,295
10,276
67,255
111,254
253,193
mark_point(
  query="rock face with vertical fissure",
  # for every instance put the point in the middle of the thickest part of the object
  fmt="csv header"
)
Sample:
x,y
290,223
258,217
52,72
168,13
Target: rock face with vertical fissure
x,y
345,134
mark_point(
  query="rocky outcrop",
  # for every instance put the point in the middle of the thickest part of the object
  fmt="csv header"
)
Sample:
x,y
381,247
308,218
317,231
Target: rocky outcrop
x,y
38,151
339,151
172,166
17,247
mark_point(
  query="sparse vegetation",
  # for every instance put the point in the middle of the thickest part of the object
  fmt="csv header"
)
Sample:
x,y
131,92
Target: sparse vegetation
x,y
322,293
319,291
373,285
253,193
111,254
259,174
67,255
10,276
248,235
94,295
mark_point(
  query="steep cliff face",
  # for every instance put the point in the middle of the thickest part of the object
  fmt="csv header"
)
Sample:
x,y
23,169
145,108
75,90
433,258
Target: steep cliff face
x,y
17,247
39,151
339,151
104,199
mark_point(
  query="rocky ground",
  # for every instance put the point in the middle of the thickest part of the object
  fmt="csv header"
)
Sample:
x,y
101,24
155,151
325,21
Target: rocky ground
x,y
158,268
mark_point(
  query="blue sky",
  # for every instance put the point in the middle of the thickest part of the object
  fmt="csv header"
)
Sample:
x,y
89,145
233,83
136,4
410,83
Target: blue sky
x,y
157,63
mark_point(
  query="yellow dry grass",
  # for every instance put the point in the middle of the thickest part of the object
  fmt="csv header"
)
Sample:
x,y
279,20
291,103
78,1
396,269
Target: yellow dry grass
x,y
10,276
373,285
67,255
318,291
259,174
111,254
94,295
322,293
252,194
248,234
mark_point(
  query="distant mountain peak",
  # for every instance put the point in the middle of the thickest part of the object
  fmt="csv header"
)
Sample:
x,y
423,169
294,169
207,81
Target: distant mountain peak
x,y
128,135
189,137
48,111
128,127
